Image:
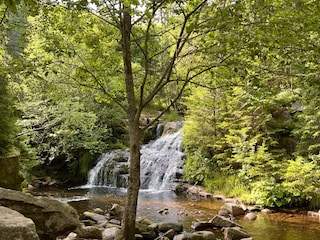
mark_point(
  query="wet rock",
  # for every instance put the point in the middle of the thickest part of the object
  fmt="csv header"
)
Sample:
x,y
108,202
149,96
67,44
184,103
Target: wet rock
x,y
199,226
224,212
164,211
13,225
251,216
313,214
171,127
117,211
234,233
234,209
98,218
254,209
266,211
202,235
165,226
220,222
110,233
51,217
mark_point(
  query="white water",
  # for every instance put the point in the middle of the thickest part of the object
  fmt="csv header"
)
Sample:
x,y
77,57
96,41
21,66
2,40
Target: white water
x,y
161,165
162,162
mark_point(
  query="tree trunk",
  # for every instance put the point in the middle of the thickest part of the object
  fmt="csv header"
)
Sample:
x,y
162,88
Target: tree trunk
x,y
134,131
133,184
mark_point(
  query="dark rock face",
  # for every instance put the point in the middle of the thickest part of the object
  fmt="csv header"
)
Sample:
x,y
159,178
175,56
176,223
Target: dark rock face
x,y
10,166
51,217
13,225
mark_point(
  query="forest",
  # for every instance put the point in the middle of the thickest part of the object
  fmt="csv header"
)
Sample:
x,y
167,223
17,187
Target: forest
x,y
243,76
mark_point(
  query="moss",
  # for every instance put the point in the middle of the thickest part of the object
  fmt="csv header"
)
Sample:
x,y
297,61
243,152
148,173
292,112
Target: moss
x,y
10,176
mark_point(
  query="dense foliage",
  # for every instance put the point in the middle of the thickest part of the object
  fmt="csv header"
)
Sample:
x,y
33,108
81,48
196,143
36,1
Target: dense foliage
x,y
255,132
249,71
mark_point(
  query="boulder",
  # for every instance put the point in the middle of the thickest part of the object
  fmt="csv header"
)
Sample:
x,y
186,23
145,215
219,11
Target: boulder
x,y
220,222
13,225
10,166
111,233
144,227
172,127
234,233
234,209
165,226
169,234
251,216
202,235
51,217
182,236
117,211
199,226
98,218
71,236
266,211
89,232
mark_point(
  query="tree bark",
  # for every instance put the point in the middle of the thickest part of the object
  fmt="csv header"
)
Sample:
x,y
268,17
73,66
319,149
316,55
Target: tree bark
x,y
134,130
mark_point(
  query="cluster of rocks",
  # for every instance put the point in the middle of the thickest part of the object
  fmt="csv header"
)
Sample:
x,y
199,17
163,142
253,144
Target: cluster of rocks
x,y
220,225
28,218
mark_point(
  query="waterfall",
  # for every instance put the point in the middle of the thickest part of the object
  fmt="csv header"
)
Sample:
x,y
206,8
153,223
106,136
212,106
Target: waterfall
x,y
162,162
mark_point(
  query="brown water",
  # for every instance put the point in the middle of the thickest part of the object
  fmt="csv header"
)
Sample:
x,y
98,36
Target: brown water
x,y
275,226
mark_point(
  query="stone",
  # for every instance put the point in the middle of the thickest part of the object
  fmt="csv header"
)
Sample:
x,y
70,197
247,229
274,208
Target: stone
x,y
165,226
234,233
234,209
171,127
138,237
220,222
111,233
117,211
202,235
10,166
98,218
169,234
143,227
98,211
71,236
224,212
251,216
90,232
199,226
182,236
266,211
13,225
51,217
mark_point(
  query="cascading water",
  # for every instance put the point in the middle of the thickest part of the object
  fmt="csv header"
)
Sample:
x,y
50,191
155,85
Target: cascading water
x,y
162,162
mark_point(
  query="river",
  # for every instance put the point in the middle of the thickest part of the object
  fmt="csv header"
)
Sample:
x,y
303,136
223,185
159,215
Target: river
x,y
275,226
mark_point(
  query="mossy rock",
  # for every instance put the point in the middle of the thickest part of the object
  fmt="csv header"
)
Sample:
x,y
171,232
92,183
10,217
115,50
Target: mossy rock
x,y
10,175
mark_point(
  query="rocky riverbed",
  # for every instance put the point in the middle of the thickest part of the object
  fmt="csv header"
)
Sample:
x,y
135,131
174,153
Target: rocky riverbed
x,y
46,218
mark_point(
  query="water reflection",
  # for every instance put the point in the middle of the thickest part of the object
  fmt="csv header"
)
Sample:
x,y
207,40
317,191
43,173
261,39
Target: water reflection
x,y
276,226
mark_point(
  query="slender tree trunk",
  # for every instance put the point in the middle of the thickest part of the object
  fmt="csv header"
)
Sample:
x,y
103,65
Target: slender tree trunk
x,y
134,131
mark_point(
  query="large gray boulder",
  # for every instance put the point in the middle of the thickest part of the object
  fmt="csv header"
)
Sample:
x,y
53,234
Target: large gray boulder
x,y
13,225
51,217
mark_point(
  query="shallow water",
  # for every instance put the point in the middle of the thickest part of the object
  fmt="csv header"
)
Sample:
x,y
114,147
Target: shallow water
x,y
275,226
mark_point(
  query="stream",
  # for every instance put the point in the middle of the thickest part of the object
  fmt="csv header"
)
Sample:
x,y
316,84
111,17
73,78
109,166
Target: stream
x,y
162,163
275,226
